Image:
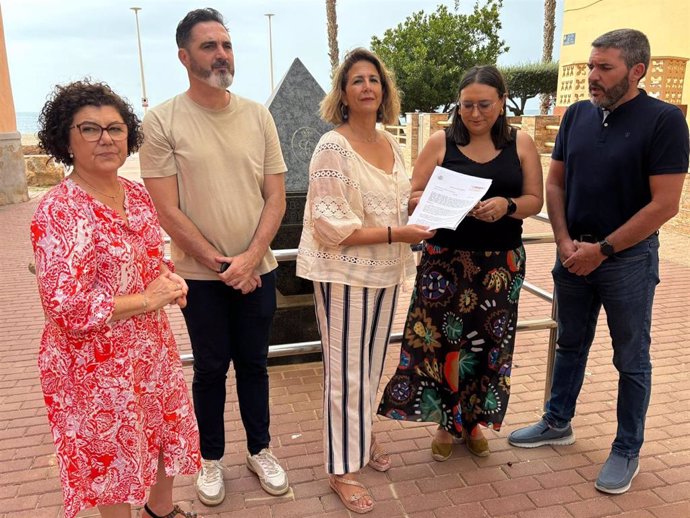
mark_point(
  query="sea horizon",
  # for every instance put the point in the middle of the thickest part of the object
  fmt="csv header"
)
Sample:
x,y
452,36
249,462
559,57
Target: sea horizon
x,y
27,122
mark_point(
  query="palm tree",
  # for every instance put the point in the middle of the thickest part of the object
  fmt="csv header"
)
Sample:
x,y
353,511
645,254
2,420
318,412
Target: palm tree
x,y
332,22
547,52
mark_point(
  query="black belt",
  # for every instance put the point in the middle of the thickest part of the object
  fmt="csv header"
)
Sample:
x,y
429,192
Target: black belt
x,y
592,238
589,238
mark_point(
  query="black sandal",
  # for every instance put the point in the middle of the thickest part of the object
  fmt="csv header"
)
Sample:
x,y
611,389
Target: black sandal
x,y
176,510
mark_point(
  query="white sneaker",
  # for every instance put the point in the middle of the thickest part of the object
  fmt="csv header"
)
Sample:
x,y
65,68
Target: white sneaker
x,y
271,475
209,483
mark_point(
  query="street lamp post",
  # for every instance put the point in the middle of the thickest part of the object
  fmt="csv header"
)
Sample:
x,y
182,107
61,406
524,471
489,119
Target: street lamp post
x,y
144,99
270,46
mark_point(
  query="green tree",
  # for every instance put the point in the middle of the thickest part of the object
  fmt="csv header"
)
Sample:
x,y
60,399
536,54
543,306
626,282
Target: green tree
x,y
527,81
429,52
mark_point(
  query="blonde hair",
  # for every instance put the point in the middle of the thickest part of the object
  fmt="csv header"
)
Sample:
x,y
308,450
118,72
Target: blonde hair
x,y
332,107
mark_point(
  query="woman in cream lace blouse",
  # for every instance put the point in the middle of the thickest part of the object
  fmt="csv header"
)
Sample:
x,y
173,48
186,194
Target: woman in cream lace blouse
x,y
355,247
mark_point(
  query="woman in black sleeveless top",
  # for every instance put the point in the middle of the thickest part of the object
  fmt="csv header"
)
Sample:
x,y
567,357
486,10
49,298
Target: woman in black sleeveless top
x,y
459,335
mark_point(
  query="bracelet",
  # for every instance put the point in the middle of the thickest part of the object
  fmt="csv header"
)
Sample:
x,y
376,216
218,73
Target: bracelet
x,y
390,236
145,306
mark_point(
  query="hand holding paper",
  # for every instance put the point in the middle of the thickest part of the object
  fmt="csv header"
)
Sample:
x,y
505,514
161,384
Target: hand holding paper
x,y
447,199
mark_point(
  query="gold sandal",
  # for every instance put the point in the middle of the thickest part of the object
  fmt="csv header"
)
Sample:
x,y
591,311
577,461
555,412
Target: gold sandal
x,y
379,459
351,502
441,451
172,514
478,447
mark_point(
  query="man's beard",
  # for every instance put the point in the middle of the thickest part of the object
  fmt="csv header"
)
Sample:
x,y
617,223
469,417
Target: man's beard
x,y
214,78
609,97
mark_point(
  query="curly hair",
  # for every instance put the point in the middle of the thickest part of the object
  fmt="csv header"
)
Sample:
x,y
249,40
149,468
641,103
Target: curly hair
x,y
65,101
332,107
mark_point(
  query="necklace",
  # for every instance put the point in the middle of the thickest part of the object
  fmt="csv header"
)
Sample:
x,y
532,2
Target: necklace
x,y
99,192
357,135
368,140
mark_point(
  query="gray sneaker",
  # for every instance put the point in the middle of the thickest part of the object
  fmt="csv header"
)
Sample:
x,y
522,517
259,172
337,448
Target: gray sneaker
x,y
617,474
271,475
541,434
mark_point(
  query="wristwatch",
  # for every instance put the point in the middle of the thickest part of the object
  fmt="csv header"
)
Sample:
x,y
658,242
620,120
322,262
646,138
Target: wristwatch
x,y
512,207
606,248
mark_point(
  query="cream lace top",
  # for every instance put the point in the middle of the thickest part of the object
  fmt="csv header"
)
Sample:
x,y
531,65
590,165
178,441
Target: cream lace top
x,y
347,193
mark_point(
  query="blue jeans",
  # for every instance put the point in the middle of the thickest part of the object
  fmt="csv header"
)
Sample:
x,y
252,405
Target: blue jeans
x,y
226,326
624,284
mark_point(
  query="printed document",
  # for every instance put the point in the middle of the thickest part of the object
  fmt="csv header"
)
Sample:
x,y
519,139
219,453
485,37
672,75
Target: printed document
x,y
447,199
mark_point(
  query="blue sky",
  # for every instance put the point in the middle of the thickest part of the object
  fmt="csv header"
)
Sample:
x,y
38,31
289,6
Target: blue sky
x,y
53,41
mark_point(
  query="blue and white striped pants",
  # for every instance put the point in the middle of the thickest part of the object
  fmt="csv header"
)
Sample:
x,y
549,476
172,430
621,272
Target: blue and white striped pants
x,y
355,325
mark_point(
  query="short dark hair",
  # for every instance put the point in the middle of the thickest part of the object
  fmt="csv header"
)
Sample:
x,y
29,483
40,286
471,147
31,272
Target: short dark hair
x,y
65,101
332,107
501,133
633,44
184,28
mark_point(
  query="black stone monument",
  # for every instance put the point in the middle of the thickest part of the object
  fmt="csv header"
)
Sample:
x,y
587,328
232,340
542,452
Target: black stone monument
x,y
295,109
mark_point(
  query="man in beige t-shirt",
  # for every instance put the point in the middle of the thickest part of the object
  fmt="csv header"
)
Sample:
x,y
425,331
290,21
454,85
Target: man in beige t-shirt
x,y
212,163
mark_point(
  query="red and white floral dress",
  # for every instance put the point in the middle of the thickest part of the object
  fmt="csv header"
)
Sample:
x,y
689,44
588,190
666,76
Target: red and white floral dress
x,y
115,391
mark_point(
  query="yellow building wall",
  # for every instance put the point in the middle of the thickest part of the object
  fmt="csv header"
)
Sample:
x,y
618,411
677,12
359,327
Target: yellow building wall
x,y
665,22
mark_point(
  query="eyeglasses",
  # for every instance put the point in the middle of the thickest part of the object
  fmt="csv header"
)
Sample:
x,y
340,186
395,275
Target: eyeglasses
x,y
483,106
92,132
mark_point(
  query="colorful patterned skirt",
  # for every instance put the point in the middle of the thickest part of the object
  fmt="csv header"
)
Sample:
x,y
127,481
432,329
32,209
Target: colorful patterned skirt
x,y
457,346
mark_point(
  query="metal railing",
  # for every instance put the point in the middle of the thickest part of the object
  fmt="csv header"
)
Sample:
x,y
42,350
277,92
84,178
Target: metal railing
x,y
398,133
312,347
545,295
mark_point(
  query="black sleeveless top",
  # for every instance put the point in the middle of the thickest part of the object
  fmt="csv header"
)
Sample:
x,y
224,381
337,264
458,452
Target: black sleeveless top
x,y
506,172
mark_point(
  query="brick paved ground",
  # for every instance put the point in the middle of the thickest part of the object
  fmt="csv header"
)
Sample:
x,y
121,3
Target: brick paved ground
x,y
511,483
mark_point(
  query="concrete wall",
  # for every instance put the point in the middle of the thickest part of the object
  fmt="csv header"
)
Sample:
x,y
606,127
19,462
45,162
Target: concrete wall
x,y
419,127
543,130
412,146
13,187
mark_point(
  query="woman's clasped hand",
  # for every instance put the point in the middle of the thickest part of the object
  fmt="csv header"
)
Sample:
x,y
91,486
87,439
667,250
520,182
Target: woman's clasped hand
x,y
167,288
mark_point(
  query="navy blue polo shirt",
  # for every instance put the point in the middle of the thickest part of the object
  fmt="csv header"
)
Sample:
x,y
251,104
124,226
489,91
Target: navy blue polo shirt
x,y
608,162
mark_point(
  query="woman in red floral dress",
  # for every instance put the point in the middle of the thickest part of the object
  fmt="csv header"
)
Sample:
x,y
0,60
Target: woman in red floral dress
x,y
112,380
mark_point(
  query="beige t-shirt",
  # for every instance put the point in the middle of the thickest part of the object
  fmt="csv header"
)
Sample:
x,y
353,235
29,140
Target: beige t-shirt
x,y
347,193
220,158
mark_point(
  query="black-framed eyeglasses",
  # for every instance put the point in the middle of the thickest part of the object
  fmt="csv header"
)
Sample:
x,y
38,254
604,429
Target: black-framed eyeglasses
x,y
483,106
92,132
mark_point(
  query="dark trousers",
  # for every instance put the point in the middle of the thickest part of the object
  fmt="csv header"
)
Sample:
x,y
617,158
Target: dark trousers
x,y
624,285
225,326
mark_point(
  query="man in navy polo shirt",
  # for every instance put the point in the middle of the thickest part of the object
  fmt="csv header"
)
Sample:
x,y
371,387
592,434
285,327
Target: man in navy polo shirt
x,y
616,176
